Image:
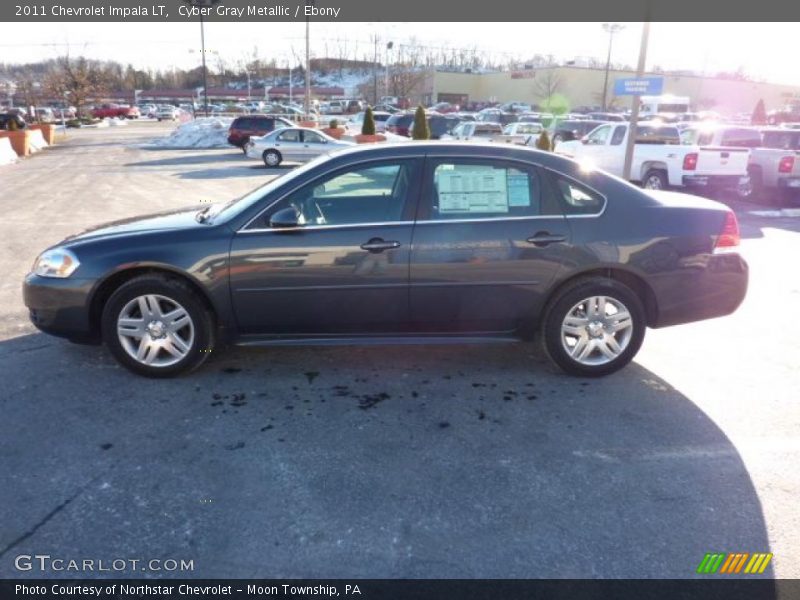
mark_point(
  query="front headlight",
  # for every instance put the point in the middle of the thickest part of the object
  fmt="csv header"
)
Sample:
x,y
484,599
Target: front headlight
x,y
57,262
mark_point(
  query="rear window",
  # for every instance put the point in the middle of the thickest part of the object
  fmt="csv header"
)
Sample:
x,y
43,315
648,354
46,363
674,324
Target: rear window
x,y
741,138
657,135
782,140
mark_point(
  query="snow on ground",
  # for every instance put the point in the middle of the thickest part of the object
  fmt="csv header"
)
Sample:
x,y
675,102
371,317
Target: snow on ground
x,y
7,154
210,132
116,122
36,140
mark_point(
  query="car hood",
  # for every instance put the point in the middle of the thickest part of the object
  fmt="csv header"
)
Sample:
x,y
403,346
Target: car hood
x,y
175,219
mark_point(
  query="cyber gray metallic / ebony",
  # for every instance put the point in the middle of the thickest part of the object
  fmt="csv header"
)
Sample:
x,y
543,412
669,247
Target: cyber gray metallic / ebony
x,y
415,243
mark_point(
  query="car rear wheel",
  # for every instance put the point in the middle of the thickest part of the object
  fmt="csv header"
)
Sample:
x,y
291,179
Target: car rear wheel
x,y
593,327
157,327
655,179
272,158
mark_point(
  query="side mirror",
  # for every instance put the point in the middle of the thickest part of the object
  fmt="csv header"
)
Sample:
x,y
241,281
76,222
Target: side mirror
x,y
584,140
285,218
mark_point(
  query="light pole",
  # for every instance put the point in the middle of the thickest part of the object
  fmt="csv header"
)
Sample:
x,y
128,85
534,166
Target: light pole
x,y
389,46
203,4
307,101
635,102
610,29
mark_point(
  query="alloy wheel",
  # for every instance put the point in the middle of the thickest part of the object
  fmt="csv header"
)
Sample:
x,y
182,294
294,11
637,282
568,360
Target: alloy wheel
x,y
155,330
596,330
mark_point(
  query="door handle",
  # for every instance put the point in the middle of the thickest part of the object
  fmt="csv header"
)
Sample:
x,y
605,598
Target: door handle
x,y
378,245
543,238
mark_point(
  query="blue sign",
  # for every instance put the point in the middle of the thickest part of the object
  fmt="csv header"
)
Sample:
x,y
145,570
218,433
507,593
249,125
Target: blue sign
x,y
639,86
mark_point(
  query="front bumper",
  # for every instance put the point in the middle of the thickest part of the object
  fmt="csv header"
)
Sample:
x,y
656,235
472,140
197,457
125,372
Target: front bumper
x,y
60,306
715,181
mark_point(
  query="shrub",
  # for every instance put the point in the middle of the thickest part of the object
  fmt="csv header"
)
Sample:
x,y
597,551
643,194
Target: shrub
x,y
759,114
420,131
334,124
543,143
368,128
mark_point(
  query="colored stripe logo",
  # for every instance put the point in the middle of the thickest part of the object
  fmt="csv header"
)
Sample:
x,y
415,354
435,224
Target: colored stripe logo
x,y
734,562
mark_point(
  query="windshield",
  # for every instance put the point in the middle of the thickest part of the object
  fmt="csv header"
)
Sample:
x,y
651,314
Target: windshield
x,y
231,208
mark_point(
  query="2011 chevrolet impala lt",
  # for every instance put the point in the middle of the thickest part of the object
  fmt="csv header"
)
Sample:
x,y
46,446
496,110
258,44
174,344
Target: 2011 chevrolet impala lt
x,y
402,243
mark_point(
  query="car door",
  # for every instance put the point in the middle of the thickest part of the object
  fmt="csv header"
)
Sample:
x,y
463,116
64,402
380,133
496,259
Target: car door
x,y
290,144
613,158
344,269
595,148
488,242
313,144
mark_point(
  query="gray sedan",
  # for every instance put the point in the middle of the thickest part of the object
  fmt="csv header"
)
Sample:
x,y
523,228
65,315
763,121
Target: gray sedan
x,y
298,144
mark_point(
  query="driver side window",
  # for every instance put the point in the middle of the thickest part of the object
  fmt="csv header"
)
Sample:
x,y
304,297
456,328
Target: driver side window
x,y
375,193
599,136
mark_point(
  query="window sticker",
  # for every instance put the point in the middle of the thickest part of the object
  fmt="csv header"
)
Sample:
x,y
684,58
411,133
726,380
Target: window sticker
x,y
519,192
473,190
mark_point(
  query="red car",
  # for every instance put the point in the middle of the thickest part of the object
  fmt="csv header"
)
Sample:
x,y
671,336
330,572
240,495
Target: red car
x,y
244,127
115,111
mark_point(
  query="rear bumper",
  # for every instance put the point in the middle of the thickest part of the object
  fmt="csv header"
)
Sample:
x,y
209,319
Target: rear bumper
x,y
715,181
705,287
60,306
790,183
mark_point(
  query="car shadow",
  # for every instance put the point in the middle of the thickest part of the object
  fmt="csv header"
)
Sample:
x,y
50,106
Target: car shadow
x,y
397,462
222,173
208,156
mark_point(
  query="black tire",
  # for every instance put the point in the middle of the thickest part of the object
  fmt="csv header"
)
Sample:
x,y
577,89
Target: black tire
x,y
272,155
560,306
655,175
756,185
176,291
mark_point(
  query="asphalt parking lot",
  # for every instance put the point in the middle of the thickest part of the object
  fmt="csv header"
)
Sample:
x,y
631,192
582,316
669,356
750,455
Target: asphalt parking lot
x,y
453,461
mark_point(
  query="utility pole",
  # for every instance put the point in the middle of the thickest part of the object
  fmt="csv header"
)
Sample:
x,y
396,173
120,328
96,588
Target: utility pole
x,y
202,4
308,64
633,125
611,29
389,46
375,70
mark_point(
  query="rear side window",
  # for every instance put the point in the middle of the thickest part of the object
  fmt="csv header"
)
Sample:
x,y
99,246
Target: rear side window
x,y
476,189
576,198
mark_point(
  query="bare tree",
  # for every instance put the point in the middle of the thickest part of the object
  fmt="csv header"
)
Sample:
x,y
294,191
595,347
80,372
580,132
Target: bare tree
x,y
547,84
79,78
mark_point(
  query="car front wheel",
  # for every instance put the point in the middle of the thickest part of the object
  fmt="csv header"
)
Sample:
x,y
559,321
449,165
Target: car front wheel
x,y
593,327
157,327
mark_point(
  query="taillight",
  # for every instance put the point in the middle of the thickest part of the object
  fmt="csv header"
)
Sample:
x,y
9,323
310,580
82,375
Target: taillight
x,y
786,165
690,161
728,239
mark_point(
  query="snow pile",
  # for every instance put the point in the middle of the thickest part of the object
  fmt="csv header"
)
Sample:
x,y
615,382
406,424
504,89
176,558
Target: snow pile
x,y
208,132
116,122
36,141
7,154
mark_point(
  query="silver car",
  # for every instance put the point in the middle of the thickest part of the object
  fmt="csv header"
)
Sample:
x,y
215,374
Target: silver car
x,y
297,144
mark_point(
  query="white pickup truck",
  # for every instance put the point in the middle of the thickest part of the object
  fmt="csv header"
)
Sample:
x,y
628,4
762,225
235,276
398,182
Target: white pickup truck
x,y
659,159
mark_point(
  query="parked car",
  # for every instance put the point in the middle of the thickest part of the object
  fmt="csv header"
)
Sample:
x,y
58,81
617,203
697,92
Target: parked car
x,y
445,107
379,117
115,111
520,133
390,108
474,131
508,243
495,115
572,129
659,159
6,118
294,144
516,107
167,113
334,107
606,116
438,125
242,128
775,166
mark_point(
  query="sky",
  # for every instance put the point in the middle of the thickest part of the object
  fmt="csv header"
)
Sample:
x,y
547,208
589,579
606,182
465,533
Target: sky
x,y
761,49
